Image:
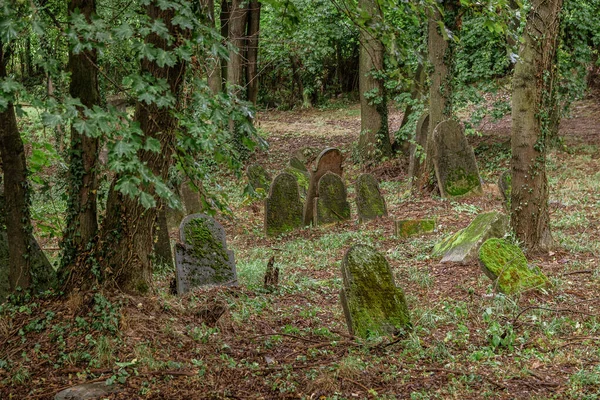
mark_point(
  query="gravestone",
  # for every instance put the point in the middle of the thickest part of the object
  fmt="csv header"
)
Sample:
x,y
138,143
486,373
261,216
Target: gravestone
x,y
306,154
258,177
417,150
297,164
331,205
283,208
506,265
202,257
330,160
190,197
372,303
369,201
454,161
463,246
42,273
300,172
409,227
505,186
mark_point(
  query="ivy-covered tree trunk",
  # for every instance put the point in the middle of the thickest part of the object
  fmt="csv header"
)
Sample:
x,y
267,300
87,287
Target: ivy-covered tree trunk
x,y
127,234
252,53
16,189
532,105
440,90
374,141
82,223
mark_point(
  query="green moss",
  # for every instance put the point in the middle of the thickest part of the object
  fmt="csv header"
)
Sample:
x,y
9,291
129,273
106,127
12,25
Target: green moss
x,y
506,264
204,246
301,177
463,245
283,208
459,183
332,205
406,228
369,201
373,304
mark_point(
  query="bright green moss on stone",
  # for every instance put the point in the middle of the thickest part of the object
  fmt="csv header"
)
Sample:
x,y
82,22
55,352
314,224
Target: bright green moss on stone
x,y
410,227
372,303
464,244
460,183
303,179
506,264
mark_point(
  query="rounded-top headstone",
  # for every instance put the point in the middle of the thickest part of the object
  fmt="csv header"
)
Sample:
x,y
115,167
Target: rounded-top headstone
x,y
283,208
330,160
331,205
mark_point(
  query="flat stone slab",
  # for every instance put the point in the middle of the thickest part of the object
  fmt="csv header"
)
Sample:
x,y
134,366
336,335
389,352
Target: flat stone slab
x,y
202,257
330,160
373,305
332,203
418,149
410,227
463,246
87,391
454,161
283,208
370,203
506,265
258,177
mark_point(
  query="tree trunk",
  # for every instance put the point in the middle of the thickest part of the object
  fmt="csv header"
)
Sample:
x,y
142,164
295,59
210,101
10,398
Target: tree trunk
x,y
225,17
213,63
440,92
16,192
162,248
374,142
252,54
126,244
82,223
416,92
532,98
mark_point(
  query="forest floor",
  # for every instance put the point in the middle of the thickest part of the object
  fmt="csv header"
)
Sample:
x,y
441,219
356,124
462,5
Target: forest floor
x,y
466,341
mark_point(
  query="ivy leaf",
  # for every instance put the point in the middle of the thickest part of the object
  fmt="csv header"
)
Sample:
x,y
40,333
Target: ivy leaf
x,y
152,145
147,200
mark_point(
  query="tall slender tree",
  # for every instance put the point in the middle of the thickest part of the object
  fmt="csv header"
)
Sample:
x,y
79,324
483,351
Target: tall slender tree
x,y
532,105
252,53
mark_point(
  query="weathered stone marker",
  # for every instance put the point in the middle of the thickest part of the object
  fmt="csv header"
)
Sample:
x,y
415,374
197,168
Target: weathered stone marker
x,y
454,161
506,265
258,177
417,150
299,170
283,208
409,227
330,160
505,186
202,257
372,303
369,201
331,205
463,246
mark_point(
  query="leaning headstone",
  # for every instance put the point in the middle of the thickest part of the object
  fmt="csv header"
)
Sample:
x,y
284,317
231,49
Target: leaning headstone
x,y
42,273
202,257
409,227
506,265
297,164
283,208
463,246
330,160
417,149
331,205
505,186
369,200
87,391
306,154
454,161
372,303
258,177
299,170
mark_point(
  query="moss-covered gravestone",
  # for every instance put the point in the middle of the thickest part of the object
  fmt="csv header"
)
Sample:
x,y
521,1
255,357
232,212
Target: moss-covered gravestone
x,y
454,161
283,208
409,227
463,246
417,149
202,257
331,205
258,177
505,186
369,201
330,160
506,265
372,303
299,170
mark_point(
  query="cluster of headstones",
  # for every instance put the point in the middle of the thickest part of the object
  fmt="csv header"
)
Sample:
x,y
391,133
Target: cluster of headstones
x,y
454,161
323,200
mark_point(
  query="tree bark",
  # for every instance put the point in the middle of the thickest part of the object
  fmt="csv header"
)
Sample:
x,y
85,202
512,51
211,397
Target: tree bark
x,y
532,103
82,223
252,53
126,244
374,141
213,63
225,17
16,192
